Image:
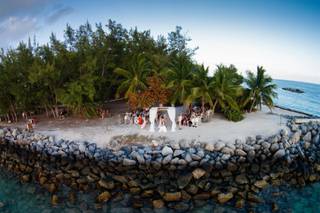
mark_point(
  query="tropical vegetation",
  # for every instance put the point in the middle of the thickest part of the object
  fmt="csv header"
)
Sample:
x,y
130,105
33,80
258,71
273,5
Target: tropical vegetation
x,y
92,65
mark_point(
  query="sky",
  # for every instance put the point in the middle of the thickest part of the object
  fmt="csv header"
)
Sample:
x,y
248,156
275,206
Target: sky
x,y
281,35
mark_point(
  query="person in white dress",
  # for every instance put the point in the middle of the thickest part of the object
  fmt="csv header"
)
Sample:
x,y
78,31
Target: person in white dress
x,y
162,125
180,118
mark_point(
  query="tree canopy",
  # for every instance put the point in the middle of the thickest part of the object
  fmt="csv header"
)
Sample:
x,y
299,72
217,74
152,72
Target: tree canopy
x,y
93,64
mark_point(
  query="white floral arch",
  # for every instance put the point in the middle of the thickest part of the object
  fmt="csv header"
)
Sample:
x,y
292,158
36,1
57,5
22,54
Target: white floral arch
x,y
153,114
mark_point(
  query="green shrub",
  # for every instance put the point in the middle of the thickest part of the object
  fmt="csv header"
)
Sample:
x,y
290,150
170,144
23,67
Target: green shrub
x,y
233,114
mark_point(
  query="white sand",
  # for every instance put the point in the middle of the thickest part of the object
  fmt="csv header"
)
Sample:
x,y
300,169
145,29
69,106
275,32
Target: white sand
x,y
257,123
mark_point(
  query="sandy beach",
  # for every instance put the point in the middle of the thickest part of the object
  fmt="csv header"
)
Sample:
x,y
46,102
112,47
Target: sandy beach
x,y
101,132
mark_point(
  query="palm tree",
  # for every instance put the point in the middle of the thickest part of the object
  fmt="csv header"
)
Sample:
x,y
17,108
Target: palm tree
x,y
134,78
261,88
179,79
201,87
226,87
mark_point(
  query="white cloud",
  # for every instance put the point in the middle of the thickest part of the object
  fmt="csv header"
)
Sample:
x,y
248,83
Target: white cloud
x,y
13,7
22,19
14,29
56,15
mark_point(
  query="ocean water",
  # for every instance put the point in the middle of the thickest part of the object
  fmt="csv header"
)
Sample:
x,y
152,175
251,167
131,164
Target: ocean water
x,y
308,102
16,197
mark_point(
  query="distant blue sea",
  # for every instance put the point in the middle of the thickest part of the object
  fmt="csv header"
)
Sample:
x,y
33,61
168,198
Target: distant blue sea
x,y
308,102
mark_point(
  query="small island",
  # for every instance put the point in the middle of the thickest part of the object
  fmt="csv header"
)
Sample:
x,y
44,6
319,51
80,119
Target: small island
x,y
295,90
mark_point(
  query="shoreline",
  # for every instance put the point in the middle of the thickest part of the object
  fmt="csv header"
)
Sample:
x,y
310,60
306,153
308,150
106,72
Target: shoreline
x,y
296,111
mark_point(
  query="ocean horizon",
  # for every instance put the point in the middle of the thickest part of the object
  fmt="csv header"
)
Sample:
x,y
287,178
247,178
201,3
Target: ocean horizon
x,y
307,102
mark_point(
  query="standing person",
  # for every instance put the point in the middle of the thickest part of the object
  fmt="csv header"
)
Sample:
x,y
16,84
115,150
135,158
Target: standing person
x,y
103,114
162,124
126,118
140,120
180,120
24,116
33,122
29,126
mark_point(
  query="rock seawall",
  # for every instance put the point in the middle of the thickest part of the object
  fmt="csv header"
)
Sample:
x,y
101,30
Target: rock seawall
x,y
175,176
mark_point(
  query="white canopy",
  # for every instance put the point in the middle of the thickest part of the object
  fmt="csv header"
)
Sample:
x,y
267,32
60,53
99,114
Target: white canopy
x,y
153,114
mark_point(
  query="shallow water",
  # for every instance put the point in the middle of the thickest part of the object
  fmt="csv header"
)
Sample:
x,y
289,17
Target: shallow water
x,y
18,197
308,102
28,197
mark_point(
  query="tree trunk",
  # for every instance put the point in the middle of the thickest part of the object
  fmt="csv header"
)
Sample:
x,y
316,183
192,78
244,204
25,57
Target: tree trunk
x,y
102,74
214,106
14,113
202,107
53,112
253,102
47,112
56,110
252,105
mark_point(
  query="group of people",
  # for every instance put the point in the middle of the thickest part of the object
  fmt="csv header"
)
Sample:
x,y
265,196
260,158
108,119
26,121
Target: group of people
x,y
141,118
137,117
104,113
189,119
193,118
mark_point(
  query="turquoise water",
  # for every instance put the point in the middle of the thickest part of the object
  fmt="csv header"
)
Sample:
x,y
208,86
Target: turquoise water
x,y
308,102
16,197
25,198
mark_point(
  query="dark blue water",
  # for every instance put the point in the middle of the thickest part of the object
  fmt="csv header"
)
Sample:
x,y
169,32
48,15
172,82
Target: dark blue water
x,y
308,102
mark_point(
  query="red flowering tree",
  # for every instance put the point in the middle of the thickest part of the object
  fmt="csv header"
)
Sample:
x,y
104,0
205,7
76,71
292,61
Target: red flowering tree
x,y
155,94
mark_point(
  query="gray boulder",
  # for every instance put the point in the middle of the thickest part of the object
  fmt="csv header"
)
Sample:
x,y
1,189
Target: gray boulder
x,y
316,139
279,154
240,152
166,151
227,150
284,132
218,146
241,179
178,152
295,138
274,147
307,137
129,162
167,159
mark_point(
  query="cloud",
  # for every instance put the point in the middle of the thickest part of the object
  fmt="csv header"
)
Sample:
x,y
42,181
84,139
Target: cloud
x,y
14,29
56,15
21,7
22,18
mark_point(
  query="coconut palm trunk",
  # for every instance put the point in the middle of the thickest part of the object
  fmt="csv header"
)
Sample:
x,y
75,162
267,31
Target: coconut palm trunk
x,y
214,106
202,104
253,101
